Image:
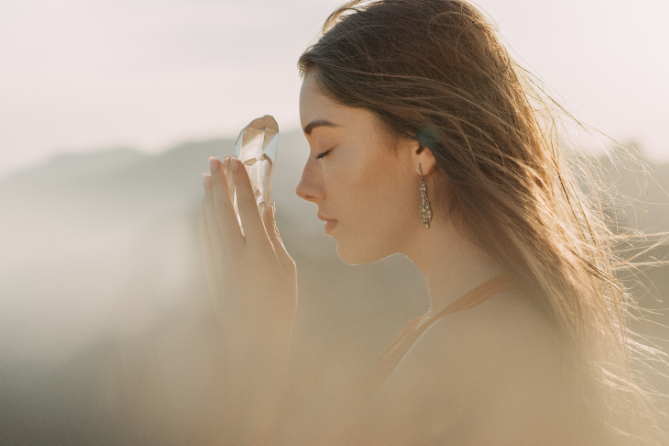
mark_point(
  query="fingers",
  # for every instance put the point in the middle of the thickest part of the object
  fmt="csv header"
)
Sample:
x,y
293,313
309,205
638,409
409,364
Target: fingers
x,y
222,205
210,266
286,261
254,229
222,224
215,235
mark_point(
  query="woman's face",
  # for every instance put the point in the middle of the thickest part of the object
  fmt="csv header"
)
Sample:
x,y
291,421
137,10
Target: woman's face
x,y
366,188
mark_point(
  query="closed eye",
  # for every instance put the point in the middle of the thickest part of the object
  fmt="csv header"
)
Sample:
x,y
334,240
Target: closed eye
x,y
322,154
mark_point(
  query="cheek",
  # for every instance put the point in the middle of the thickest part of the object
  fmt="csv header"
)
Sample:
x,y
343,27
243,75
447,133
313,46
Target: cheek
x,y
381,193
372,196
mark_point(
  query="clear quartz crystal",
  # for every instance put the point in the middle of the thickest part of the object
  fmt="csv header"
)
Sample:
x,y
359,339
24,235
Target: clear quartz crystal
x,y
256,148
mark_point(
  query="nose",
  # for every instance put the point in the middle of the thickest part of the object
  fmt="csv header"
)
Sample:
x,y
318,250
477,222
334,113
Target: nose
x,y
310,187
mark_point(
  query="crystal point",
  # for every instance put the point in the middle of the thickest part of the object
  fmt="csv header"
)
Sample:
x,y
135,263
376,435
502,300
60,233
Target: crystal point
x,y
256,148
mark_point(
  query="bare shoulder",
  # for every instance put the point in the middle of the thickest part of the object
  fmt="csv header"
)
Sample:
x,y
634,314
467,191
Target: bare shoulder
x,y
507,332
488,375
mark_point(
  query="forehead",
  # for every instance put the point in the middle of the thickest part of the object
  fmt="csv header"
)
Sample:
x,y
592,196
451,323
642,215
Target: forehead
x,y
315,106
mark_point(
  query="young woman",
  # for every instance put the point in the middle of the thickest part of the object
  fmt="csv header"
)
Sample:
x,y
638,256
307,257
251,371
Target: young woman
x,y
428,140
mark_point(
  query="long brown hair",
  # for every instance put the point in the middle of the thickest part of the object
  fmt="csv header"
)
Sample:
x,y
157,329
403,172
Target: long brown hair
x,y
435,71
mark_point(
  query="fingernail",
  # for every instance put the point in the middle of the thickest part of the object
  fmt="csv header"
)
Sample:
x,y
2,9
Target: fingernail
x,y
213,163
262,207
227,167
206,179
274,211
235,164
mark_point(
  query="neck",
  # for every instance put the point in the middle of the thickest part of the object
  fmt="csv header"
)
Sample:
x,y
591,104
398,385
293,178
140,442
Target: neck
x,y
451,264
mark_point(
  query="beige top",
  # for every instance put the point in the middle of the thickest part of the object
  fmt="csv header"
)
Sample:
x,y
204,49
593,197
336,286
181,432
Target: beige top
x,y
401,345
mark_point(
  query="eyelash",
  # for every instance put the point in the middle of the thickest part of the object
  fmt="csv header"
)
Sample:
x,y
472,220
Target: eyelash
x,y
322,154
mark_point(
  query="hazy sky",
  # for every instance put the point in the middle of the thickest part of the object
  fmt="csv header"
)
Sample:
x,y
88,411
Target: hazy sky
x,y
80,75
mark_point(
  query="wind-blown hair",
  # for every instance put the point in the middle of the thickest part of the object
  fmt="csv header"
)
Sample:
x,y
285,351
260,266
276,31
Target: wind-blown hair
x,y
436,71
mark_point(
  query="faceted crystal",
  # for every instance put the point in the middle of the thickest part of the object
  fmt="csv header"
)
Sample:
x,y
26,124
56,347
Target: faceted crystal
x,y
256,148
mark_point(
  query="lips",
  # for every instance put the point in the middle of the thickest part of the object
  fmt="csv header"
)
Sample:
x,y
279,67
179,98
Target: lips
x,y
330,223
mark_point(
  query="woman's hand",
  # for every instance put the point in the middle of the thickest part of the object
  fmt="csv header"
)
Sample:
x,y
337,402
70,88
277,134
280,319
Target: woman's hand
x,y
253,287
251,277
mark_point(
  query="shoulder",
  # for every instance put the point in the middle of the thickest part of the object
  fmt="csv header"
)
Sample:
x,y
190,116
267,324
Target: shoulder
x,y
494,343
507,332
483,374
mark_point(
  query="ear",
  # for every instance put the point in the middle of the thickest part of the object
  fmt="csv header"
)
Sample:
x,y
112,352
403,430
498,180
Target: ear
x,y
423,159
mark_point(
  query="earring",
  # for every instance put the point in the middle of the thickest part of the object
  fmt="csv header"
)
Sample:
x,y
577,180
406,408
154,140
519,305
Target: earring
x,y
425,208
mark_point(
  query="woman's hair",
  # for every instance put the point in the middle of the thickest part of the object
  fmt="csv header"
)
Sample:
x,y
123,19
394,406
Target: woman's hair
x,y
435,71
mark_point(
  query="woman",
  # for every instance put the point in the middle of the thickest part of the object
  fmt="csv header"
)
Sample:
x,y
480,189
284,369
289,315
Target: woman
x,y
428,140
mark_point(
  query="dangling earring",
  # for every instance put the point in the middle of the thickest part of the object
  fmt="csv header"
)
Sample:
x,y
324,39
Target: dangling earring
x,y
425,208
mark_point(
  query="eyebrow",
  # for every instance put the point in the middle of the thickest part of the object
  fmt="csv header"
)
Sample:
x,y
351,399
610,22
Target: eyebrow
x,y
318,123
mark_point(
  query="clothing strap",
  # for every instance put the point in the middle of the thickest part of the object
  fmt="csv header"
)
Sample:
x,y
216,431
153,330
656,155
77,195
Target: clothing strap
x,y
478,295
401,345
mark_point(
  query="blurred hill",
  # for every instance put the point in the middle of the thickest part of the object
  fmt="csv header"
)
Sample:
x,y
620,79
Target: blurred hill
x,y
106,335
